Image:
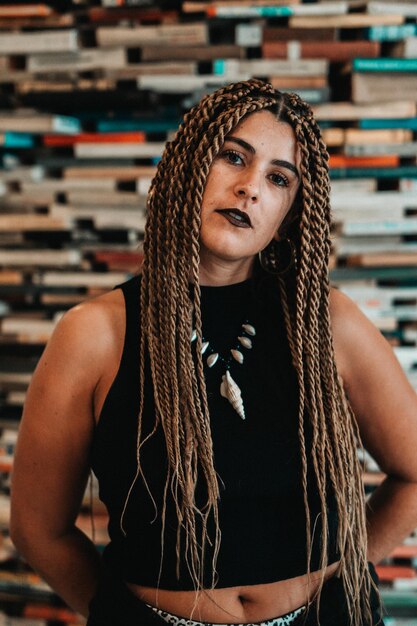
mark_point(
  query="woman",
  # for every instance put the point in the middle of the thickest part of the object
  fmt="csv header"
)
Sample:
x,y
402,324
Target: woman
x,y
221,434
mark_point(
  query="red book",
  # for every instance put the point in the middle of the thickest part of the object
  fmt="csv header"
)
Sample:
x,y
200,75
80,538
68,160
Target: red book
x,y
330,50
340,160
70,140
48,612
99,14
388,573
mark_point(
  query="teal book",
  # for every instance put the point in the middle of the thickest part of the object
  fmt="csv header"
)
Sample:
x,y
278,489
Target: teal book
x,y
18,140
392,32
384,64
312,96
126,125
409,123
407,274
403,171
238,12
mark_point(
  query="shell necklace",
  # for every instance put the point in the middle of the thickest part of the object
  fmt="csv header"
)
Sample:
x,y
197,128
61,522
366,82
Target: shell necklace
x,y
229,389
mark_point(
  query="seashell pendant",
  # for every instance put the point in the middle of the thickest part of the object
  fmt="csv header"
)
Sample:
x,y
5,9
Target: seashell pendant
x,y
212,359
249,329
230,390
237,355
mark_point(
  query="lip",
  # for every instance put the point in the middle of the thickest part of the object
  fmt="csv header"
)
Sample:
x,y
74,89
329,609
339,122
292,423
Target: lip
x,y
246,224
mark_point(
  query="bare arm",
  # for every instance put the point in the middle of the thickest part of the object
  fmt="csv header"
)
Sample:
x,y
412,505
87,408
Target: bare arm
x,y
385,406
52,457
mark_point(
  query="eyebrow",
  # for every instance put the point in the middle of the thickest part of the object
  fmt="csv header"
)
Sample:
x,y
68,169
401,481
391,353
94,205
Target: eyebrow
x,y
249,148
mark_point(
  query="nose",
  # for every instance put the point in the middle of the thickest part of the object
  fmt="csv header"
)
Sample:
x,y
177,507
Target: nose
x,y
247,186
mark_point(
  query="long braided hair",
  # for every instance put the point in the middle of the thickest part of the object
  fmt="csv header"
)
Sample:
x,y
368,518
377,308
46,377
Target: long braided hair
x,y
170,308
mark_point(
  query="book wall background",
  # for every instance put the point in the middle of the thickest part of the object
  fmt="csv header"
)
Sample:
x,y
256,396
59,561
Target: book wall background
x,y
89,94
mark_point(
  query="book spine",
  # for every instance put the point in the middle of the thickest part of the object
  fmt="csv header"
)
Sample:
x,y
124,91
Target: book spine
x,y
375,124
330,50
406,171
408,149
392,33
386,64
392,8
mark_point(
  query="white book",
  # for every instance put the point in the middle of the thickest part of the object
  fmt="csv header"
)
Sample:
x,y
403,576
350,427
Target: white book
x,y
356,186
103,217
119,150
410,334
348,111
92,197
15,398
142,185
160,35
379,296
133,70
63,185
392,8
358,214
321,8
81,279
345,246
39,42
381,227
17,325
410,47
248,35
183,84
15,378
232,68
82,60
28,121
331,8
39,257
408,149
408,185
373,201
24,173
407,356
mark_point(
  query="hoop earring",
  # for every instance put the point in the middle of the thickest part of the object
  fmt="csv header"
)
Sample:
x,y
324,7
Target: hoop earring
x,y
278,257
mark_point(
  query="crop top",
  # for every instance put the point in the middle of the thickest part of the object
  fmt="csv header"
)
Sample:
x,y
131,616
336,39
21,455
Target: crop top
x,y
261,506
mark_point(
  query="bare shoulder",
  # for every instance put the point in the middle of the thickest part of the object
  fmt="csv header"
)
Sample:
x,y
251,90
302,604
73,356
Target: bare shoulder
x,y
354,335
85,341
382,398
96,320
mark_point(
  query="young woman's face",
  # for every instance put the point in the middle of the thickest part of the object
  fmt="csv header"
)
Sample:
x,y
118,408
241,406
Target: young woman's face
x,y
250,188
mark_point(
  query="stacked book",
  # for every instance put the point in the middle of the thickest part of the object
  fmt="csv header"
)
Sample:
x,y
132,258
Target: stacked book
x,y
91,91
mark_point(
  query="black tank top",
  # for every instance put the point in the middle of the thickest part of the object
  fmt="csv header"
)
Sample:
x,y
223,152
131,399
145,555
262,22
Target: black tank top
x,y
261,507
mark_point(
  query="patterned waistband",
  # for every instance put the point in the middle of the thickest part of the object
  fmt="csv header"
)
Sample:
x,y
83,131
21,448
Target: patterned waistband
x,y
283,620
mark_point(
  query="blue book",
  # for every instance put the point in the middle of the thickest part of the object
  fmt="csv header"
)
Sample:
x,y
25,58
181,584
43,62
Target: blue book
x,y
391,33
18,140
384,64
409,123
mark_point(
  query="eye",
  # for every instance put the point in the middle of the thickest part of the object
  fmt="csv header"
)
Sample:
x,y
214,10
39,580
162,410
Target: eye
x,y
279,180
231,156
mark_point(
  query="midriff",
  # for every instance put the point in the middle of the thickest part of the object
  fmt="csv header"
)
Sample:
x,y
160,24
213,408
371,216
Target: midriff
x,y
228,605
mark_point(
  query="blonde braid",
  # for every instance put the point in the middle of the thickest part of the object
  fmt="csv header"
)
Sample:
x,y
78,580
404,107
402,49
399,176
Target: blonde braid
x,y
171,308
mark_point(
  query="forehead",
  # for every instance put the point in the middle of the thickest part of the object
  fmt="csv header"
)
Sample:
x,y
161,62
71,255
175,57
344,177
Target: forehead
x,y
267,134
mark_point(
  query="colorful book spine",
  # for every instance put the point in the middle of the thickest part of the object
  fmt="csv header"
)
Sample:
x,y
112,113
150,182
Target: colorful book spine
x,y
384,64
404,171
18,140
145,125
391,33
377,124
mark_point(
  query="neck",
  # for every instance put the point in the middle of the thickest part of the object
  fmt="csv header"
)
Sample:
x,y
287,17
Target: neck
x,y
216,274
